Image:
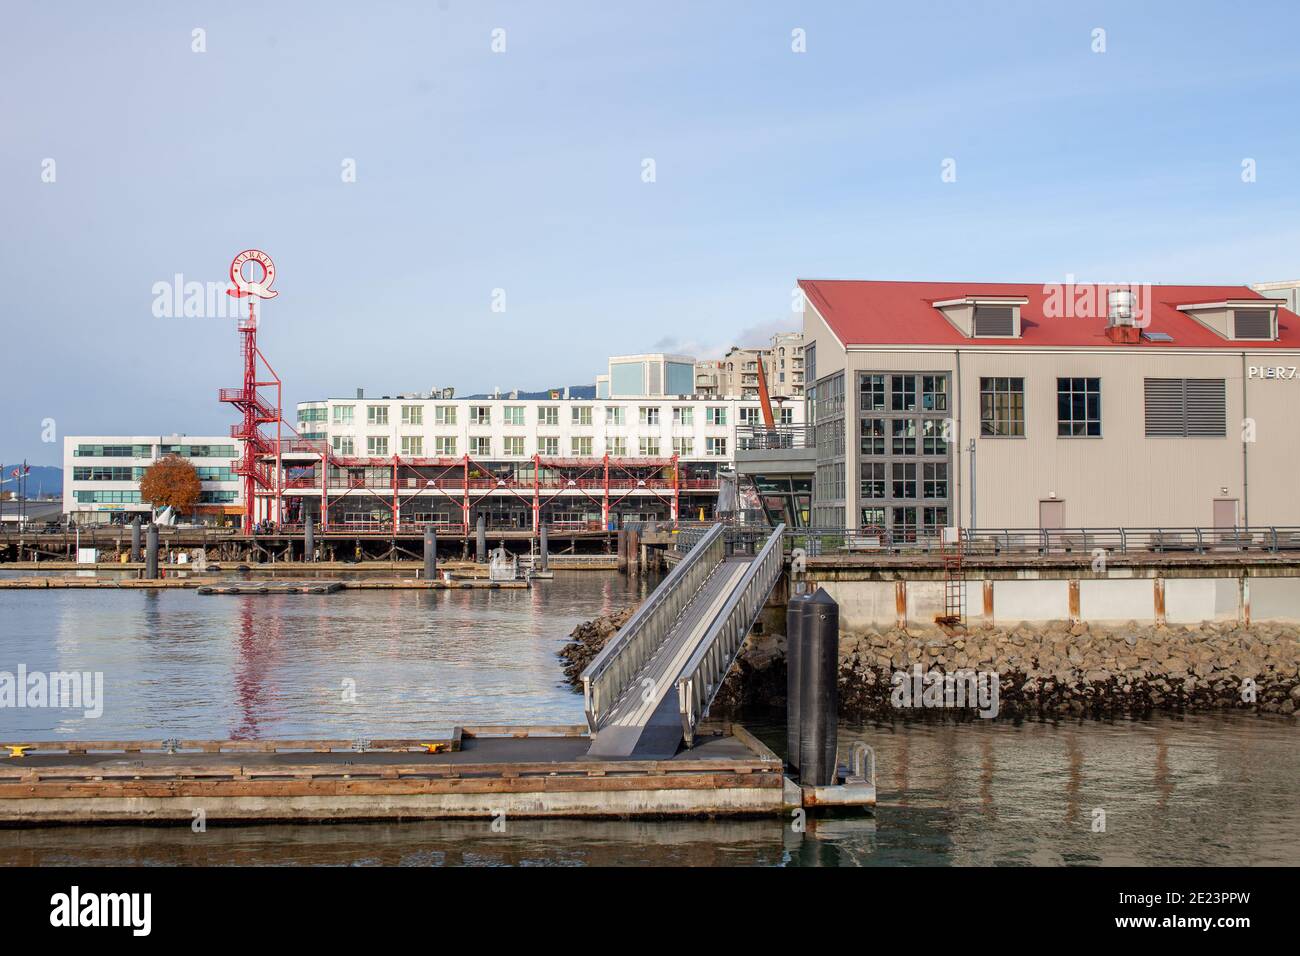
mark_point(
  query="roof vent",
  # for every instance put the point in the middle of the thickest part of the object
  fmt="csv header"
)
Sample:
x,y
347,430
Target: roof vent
x,y
1120,327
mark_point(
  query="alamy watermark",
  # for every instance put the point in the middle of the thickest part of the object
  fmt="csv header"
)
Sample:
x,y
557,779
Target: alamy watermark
x,y
62,690
977,690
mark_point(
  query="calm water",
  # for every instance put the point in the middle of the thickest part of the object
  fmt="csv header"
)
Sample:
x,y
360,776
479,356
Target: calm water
x,y
1204,790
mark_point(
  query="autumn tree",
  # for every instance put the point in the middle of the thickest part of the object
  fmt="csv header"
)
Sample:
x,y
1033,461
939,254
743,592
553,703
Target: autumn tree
x,y
171,480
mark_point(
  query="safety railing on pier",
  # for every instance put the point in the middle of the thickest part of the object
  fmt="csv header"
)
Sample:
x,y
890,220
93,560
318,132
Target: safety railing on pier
x,y
708,666
1045,541
610,671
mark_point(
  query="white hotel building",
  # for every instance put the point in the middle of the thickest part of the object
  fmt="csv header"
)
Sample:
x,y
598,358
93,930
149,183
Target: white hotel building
x,y
591,463
101,475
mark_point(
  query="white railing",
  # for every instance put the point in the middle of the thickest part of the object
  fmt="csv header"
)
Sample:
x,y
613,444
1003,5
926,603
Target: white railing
x,y
708,666
607,677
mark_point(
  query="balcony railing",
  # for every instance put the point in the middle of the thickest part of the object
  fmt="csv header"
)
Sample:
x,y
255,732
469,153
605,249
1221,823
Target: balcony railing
x,y
762,438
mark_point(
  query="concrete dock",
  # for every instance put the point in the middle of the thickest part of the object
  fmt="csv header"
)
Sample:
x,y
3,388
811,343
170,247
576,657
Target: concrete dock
x,y
467,772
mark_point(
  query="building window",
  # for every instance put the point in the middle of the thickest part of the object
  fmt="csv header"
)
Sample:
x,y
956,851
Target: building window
x,y
871,393
513,414
550,447
873,436
580,447
377,446
904,479
412,414
480,446
683,447
615,415
412,446
873,481
1078,407
996,320
785,416
716,447
444,446
514,446
444,415
343,414
343,445
1002,407
1252,324
683,415
650,447
715,415
376,414
1186,408
935,518
873,519
480,414
933,439
903,435
904,525
903,393
582,415
548,415
934,393
616,447
934,479
649,415
748,416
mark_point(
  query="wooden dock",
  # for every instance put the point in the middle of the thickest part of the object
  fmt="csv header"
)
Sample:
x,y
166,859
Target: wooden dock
x,y
208,584
483,772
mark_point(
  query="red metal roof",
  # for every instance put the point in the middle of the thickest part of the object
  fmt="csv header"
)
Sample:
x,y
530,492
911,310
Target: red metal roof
x,y
903,313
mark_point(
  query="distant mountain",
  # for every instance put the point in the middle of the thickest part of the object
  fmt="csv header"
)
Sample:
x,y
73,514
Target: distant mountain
x,y
575,391
41,480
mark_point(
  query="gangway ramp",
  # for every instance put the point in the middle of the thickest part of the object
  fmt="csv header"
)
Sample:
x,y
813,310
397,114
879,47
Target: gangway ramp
x,y
654,681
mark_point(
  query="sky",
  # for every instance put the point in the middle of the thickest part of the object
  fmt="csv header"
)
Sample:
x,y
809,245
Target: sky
x,y
611,178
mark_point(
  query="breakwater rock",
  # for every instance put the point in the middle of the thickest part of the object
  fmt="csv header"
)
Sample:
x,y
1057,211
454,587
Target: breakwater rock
x,y
1053,669
588,640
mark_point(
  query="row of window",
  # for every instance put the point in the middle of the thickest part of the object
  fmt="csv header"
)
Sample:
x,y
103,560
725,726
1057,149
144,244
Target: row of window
x,y
128,473
412,446
546,415
146,451
904,436
133,497
905,517
904,479
1174,407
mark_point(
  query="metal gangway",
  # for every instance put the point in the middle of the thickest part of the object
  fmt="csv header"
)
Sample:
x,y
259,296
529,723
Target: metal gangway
x,y
650,686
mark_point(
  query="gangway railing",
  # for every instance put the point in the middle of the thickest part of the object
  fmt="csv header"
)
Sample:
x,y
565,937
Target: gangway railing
x,y
703,674
607,677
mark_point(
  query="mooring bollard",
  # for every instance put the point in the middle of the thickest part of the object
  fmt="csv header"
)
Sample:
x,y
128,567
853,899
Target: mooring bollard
x,y
818,692
621,538
795,624
308,540
135,539
543,546
430,553
151,552
481,543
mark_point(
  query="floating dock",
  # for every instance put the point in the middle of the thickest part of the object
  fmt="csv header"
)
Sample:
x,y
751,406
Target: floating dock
x,y
206,584
471,772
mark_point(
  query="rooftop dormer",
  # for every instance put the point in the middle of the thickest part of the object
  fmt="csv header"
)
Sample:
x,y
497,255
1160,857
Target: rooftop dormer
x,y
1238,319
984,316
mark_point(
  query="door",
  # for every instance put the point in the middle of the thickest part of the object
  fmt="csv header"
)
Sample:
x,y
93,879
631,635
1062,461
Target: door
x,y
1051,513
1225,514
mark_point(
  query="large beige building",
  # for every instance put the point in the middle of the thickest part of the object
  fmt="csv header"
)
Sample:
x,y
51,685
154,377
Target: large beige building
x,y
736,373
1025,406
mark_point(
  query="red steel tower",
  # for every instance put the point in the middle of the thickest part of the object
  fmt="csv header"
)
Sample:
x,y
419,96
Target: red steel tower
x,y
261,479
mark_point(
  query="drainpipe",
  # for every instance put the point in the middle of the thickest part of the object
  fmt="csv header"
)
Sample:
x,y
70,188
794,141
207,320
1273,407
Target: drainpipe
x,y
1245,462
956,353
973,525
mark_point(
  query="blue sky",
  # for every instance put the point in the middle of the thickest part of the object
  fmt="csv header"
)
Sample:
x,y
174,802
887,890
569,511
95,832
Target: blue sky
x,y
522,171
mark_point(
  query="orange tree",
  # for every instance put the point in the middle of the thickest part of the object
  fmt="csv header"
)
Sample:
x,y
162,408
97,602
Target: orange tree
x,y
171,480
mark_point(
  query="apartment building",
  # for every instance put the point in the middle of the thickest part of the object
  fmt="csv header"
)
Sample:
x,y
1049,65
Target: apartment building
x,y
736,373
101,475
996,405
562,461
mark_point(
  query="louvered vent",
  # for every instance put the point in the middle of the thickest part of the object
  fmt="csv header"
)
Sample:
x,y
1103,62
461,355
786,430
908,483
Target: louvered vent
x,y
1252,324
993,320
1186,408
